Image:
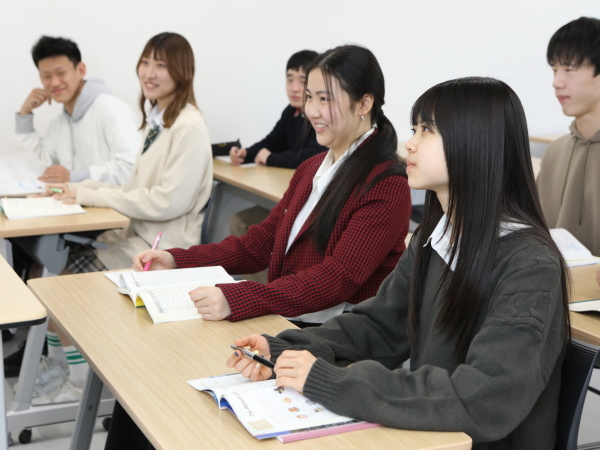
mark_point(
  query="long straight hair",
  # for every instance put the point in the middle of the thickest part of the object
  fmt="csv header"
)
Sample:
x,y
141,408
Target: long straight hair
x,y
176,52
486,145
357,72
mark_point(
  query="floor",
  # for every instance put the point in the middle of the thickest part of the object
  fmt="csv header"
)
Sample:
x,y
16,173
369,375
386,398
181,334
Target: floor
x,y
57,437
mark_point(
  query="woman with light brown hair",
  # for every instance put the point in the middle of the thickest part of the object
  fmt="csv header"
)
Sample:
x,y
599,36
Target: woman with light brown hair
x,y
172,175
168,188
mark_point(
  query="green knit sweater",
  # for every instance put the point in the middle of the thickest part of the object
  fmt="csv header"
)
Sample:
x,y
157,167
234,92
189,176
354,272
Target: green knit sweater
x,y
505,396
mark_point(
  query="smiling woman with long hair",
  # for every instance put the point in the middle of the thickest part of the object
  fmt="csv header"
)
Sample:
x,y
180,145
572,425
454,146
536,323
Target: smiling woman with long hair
x,y
477,303
339,229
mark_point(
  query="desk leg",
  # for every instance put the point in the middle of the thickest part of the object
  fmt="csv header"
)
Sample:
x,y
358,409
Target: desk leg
x,y
87,413
4,437
6,251
29,368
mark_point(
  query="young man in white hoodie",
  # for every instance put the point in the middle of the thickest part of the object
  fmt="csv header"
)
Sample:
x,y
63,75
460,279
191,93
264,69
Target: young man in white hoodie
x,y
95,137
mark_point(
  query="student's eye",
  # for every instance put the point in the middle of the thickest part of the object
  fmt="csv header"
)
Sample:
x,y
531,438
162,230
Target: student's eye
x,y
324,99
426,128
162,65
413,130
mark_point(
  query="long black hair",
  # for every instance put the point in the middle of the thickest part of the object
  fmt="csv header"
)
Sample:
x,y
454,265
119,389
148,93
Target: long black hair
x,y
486,145
357,73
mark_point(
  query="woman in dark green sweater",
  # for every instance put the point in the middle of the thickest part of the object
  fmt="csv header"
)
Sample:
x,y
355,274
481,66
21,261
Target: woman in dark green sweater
x,y
478,302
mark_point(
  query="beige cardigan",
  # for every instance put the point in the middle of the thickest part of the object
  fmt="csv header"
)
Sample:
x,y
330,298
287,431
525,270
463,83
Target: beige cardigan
x,y
167,191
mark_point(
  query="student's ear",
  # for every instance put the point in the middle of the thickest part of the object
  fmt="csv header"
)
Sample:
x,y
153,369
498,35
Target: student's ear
x,y
81,69
366,104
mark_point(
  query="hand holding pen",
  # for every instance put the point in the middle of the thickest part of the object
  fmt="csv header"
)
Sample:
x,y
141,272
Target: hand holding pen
x,y
248,367
154,246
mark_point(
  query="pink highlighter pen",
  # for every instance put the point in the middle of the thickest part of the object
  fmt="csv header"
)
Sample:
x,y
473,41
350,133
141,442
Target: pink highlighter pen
x,y
154,247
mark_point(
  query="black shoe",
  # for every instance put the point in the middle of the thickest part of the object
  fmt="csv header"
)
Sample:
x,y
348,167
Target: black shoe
x,y
12,363
7,336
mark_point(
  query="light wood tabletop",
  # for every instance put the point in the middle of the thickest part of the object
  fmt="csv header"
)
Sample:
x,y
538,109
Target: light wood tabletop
x,y
18,306
585,326
93,219
146,366
546,138
268,182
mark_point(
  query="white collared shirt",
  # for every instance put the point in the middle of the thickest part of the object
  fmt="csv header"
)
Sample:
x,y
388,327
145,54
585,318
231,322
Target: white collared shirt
x,y
156,118
321,180
440,242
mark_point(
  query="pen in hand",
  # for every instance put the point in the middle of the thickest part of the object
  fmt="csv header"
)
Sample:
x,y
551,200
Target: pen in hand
x,y
154,247
254,356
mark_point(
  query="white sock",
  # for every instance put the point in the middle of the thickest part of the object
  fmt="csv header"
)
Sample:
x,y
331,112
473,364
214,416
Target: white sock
x,y
55,349
78,368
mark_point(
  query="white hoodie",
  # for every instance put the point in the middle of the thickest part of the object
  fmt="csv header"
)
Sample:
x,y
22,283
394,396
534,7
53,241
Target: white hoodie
x,y
99,141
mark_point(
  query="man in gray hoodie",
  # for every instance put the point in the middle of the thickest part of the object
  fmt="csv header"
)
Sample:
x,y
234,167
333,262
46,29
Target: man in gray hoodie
x,y
568,182
96,136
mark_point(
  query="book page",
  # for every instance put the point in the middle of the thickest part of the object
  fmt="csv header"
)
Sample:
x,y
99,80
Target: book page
x,y
170,304
217,386
158,279
24,208
267,411
19,174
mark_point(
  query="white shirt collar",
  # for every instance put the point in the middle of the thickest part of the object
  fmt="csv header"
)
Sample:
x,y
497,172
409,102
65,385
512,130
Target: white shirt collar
x,y
440,242
328,167
156,118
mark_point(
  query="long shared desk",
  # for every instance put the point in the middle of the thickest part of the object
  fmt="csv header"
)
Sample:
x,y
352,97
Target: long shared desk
x,y
42,236
585,326
146,367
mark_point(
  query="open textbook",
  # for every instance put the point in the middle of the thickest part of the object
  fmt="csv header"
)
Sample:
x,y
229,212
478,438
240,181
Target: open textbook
x,y
165,293
19,174
28,208
268,411
573,251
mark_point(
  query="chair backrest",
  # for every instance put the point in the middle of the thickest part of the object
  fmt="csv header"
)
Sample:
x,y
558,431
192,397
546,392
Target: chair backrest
x,y
576,373
209,213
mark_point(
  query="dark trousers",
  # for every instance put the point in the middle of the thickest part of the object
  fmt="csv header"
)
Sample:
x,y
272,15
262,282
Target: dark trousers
x,y
124,434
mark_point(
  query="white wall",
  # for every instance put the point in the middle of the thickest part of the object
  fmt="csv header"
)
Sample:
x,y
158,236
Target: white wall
x,y
241,48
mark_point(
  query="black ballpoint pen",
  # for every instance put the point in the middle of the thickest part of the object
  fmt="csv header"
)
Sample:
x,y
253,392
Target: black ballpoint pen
x,y
254,356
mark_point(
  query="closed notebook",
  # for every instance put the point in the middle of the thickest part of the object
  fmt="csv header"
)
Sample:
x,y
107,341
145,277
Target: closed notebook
x,y
268,411
585,306
165,293
29,208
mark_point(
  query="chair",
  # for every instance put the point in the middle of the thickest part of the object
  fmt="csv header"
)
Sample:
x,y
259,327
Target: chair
x,y
207,233
576,373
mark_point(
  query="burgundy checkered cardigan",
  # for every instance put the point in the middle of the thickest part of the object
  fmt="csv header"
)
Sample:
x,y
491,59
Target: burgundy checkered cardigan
x,y
364,247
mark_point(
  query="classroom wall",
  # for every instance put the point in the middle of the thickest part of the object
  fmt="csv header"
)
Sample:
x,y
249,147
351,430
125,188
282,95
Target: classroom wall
x,y
241,48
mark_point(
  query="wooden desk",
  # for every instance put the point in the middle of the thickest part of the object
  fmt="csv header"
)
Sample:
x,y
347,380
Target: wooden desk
x,y
239,188
546,138
41,236
266,182
18,308
585,326
94,219
146,367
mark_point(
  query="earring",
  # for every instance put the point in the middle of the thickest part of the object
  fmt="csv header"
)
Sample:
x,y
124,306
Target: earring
x,y
362,117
